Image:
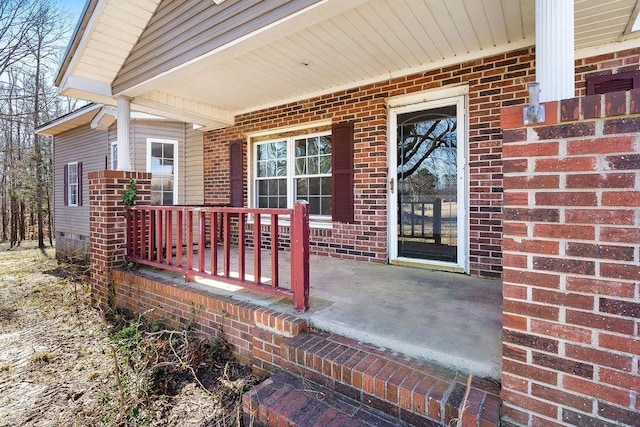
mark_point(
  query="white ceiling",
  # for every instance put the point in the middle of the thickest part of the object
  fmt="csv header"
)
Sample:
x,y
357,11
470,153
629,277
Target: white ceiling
x,y
337,44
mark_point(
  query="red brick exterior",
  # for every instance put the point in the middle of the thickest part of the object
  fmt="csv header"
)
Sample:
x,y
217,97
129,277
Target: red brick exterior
x,y
254,334
107,224
494,82
572,263
609,63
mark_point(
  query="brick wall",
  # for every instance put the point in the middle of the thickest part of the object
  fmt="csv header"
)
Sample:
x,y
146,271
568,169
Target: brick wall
x,y
494,82
107,224
600,65
254,334
571,350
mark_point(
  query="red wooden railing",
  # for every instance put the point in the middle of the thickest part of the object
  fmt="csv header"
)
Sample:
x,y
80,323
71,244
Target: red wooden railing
x,y
175,237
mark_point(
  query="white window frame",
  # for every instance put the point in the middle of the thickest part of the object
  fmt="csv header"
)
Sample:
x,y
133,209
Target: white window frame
x,y
113,153
73,186
457,96
176,156
318,220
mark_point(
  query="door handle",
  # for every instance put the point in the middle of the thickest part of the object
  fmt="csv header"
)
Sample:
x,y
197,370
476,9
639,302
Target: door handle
x,y
391,185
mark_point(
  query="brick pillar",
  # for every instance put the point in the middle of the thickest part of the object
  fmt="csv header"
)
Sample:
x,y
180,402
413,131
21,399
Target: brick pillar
x,y
572,263
107,224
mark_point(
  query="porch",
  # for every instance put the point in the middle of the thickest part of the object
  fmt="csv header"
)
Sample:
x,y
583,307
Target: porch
x,y
452,319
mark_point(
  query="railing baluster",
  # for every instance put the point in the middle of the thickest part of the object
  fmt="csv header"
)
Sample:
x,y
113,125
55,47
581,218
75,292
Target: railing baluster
x,y
213,220
413,219
179,232
159,236
136,232
189,240
227,243
422,217
274,251
257,257
201,240
169,238
143,231
150,241
152,234
241,246
128,231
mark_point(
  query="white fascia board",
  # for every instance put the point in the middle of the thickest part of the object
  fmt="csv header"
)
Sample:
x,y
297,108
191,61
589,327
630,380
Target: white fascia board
x,y
104,119
84,84
218,118
43,130
82,44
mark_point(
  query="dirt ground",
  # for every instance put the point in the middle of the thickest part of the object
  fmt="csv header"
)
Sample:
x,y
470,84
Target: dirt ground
x,y
62,365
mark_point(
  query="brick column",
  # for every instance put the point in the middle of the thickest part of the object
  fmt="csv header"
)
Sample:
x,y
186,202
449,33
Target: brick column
x,y
107,224
572,263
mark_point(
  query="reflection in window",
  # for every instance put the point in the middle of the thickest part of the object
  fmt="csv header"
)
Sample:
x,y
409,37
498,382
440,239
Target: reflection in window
x,y
297,168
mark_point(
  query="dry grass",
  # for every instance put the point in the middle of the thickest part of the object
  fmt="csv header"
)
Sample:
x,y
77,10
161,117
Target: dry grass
x,y
57,366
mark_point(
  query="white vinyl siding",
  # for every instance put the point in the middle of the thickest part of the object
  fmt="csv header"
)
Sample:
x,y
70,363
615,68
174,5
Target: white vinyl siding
x,y
90,147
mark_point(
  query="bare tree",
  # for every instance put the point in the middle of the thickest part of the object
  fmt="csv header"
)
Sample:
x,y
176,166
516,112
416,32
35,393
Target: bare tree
x,y
32,33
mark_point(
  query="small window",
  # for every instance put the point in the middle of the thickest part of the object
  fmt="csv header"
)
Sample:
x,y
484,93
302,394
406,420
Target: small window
x,y
162,163
73,176
613,83
296,168
114,155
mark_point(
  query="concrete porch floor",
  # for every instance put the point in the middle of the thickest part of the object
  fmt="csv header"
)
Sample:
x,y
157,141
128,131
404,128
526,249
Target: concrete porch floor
x,y
452,319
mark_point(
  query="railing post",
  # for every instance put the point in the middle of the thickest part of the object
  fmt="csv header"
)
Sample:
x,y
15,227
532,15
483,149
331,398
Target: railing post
x,y
300,255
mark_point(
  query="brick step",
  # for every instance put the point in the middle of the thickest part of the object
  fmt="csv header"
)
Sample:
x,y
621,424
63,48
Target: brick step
x,y
288,400
410,391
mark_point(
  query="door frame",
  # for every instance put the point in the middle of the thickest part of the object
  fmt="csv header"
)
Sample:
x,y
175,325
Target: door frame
x,y
457,96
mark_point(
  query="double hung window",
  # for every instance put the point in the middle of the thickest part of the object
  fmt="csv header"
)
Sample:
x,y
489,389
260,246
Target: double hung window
x,y
294,168
161,162
114,155
72,187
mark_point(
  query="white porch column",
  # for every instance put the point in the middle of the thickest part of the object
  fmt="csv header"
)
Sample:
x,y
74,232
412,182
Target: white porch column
x,y
123,115
555,47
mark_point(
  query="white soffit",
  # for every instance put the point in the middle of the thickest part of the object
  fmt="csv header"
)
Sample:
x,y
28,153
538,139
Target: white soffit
x,y
336,45
111,33
366,41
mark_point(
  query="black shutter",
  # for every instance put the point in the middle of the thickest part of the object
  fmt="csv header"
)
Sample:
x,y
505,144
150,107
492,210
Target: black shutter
x,y
342,167
235,178
613,83
79,183
66,185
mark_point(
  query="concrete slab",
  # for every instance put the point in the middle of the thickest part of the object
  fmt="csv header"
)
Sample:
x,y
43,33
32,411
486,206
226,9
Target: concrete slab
x,y
449,318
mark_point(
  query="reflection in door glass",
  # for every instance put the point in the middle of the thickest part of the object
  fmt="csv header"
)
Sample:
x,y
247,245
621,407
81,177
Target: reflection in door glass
x,y
427,184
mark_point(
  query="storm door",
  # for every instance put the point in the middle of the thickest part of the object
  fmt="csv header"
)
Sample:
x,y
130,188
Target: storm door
x,y
427,185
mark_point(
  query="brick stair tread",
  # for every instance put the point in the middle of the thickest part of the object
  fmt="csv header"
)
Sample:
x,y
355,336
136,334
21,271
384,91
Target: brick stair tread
x,y
286,399
411,391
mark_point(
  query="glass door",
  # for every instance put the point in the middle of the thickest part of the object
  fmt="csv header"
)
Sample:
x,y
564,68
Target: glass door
x,y
428,195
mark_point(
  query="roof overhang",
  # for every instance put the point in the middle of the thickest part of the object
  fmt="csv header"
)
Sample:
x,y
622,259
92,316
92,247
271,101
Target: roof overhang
x,y
74,119
98,116
326,46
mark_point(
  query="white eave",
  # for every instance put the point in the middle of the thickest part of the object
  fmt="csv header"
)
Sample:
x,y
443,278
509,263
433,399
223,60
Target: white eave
x,y
334,45
98,116
70,121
